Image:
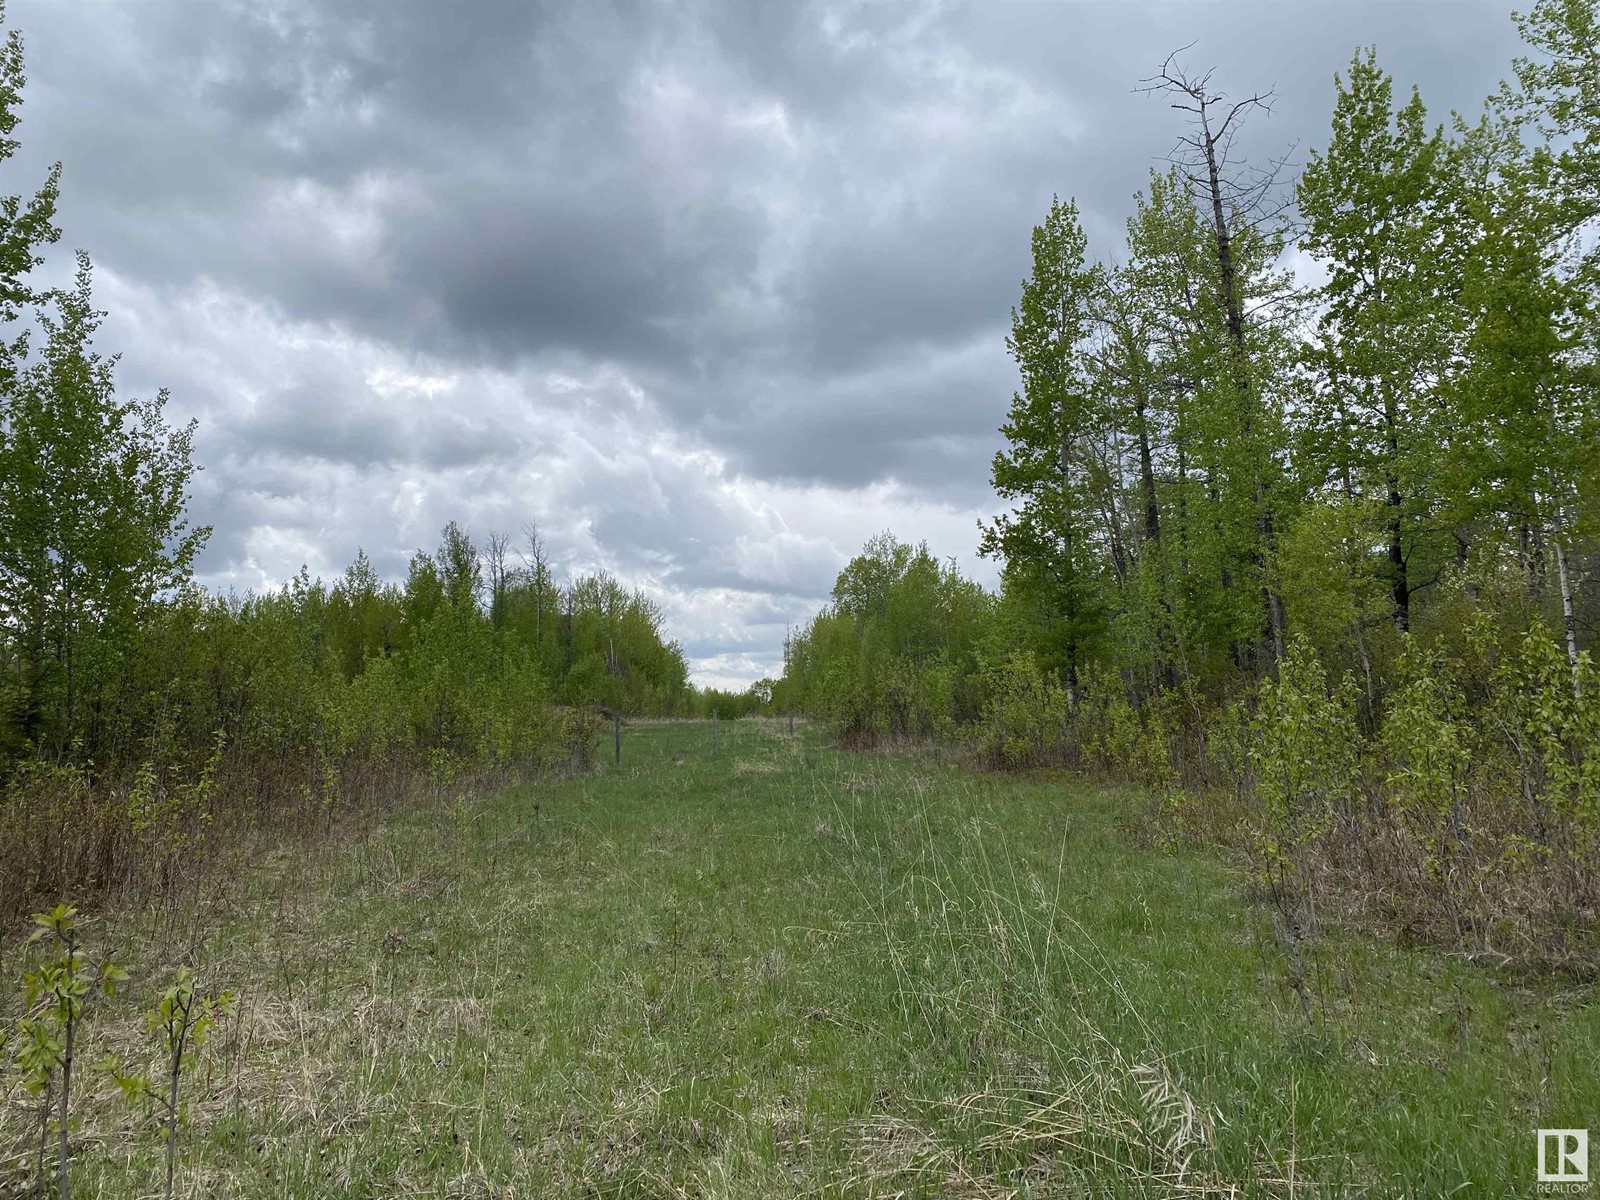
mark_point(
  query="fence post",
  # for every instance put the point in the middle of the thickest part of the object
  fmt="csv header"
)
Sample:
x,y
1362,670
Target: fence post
x,y
791,722
616,733
713,732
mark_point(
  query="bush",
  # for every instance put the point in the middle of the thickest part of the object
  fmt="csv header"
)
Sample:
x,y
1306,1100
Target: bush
x,y
1025,722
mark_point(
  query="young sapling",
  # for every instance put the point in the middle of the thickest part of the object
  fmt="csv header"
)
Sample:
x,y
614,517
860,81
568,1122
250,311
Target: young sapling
x,y
182,1021
53,996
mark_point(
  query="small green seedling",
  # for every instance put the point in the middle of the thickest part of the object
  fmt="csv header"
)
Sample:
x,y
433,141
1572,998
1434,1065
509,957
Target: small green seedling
x,y
53,995
182,1021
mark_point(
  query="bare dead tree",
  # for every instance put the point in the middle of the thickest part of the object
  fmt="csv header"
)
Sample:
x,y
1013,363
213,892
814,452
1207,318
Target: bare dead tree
x,y
536,558
499,550
1236,193
1237,196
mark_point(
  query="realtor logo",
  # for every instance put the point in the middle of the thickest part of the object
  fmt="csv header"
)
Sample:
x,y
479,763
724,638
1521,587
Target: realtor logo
x,y
1563,1156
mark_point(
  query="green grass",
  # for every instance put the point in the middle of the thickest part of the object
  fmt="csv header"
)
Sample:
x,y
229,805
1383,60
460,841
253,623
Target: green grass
x,y
788,971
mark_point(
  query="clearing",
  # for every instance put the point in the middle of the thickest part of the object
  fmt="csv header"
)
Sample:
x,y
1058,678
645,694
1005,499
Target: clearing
x,y
786,970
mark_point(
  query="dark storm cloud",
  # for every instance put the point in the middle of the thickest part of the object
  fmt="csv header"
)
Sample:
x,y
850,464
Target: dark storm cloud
x,y
502,179
780,240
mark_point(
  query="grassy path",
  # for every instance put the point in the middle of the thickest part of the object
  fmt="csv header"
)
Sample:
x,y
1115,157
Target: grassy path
x,y
786,971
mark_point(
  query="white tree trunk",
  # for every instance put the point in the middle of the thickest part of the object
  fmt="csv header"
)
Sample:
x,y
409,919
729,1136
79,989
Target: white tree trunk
x,y
1568,619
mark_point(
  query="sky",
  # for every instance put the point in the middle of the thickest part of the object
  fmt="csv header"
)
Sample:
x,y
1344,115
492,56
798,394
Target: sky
x,y
709,291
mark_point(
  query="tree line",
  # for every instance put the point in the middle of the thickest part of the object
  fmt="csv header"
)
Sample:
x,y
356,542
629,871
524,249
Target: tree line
x,y
1330,545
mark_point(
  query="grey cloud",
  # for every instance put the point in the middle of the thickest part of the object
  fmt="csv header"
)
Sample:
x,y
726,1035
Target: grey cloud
x,y
330,426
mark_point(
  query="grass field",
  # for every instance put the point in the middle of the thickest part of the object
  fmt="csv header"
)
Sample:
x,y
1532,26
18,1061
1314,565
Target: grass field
x,y
787,971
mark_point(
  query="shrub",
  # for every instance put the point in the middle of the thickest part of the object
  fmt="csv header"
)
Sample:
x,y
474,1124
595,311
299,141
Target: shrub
x,y
1302,759
1025,720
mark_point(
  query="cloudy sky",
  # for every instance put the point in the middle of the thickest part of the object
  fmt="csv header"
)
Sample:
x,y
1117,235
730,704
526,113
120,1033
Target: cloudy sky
x,y
711,290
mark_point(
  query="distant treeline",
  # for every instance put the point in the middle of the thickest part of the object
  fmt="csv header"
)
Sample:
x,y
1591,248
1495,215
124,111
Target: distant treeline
x,y
447,662
1329,551
757,700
